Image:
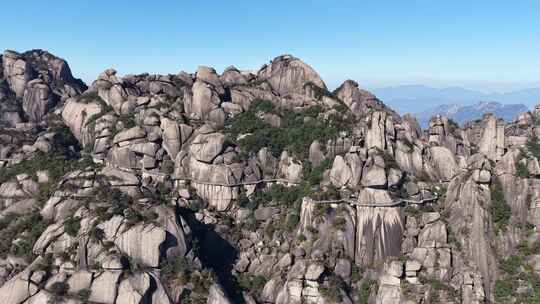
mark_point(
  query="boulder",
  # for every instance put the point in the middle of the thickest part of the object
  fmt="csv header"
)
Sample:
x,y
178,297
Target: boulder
x,y
104,287
287,74
172,137
316,156
142,243
357,100
37,100
374,173
340,173
205,99
205,147
133,289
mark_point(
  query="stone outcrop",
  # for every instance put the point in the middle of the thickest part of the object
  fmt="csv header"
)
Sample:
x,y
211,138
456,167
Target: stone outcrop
x,y
155,189
38,81
357,100
287,75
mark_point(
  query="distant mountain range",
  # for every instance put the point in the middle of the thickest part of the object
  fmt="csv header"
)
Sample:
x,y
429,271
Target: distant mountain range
x,y
417,98
461,114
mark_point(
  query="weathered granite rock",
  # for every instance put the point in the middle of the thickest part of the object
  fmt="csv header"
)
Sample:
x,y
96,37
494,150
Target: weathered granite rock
x,y
340,173
287,74
142,243
205,147
358,100
104,287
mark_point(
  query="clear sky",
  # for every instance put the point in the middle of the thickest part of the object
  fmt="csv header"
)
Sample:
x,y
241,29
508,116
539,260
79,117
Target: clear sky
x,y
488,45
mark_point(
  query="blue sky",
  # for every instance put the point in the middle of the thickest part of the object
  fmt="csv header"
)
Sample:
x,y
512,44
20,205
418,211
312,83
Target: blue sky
x,y
487,45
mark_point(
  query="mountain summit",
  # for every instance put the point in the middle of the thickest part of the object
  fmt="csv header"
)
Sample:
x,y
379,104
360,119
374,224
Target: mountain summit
x,y
255,187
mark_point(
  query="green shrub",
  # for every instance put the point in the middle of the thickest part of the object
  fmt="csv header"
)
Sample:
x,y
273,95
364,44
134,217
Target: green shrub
x,y
55,163
511,265
189,297
195,205
72,225
287,195
245,202
453,126
339,223
258,283
322,210
133,216
26,229
84,295
59,289
248,122
332,291
46,263
269,230
504,288
521,169
314,176
251,223
178,268
96,234
292,222
356,273
412,211
499,209
251,284
296,133
533,146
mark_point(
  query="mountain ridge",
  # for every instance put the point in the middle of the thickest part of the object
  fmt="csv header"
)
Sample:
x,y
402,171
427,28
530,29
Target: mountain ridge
x,y
464,113
415,98
263,187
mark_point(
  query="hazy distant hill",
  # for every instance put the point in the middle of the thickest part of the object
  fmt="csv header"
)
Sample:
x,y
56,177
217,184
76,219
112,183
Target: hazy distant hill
x,y
417,98
460,114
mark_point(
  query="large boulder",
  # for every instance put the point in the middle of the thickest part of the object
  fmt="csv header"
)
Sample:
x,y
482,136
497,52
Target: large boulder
x,y
357,100
76,116
205,147
205,100
142,243
373,172
444,163
17,72
104,287
340,172
38,81
287,74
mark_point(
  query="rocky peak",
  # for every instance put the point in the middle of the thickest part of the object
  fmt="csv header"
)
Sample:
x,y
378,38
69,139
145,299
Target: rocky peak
x,y
358,100
287,75
267,188
37,81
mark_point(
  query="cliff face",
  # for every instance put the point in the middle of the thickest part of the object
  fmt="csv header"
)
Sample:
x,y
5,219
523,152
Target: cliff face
x,y
255,188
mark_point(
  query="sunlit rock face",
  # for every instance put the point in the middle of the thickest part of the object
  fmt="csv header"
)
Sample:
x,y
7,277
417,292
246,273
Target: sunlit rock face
x,y
253,187
38,81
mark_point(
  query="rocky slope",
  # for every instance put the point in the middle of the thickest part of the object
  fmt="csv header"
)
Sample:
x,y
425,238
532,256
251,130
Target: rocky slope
x,y
255,188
